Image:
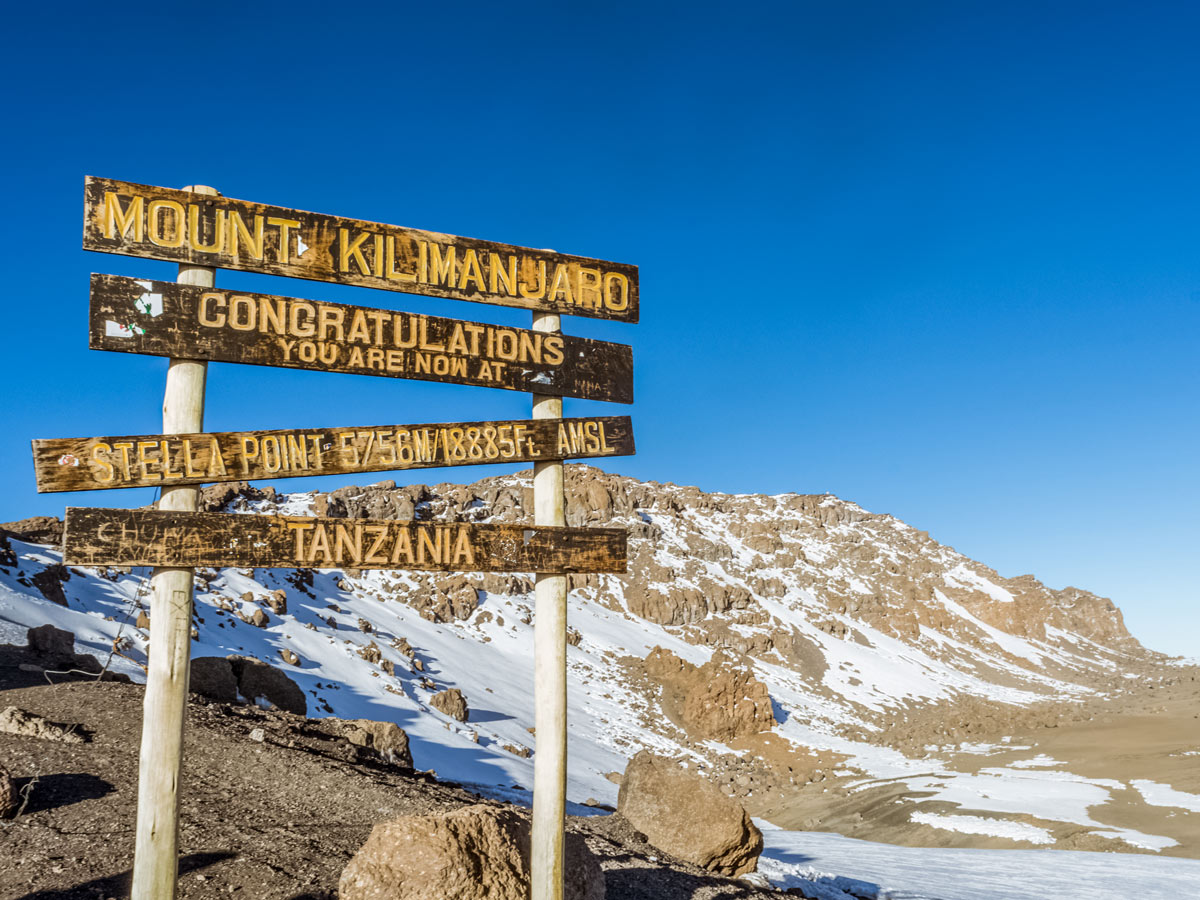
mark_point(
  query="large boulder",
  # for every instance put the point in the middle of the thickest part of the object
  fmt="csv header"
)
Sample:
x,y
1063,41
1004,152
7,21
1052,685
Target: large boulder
x,y
688,817
212,677
472,853
452,703
51,643
257,680
54,648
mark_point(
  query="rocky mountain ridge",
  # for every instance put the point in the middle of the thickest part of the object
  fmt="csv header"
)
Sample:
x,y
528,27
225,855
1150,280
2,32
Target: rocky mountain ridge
x,y
779,644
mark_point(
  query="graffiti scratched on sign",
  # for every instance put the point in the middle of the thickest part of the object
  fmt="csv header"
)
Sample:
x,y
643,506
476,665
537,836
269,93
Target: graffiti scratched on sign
x,y
137,537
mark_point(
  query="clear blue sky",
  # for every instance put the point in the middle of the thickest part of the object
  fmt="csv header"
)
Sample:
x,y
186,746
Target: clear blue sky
x,y
942,259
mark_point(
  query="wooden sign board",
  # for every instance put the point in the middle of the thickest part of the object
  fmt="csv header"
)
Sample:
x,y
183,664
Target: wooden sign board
x,y
137,537
179,226
151,460
162,318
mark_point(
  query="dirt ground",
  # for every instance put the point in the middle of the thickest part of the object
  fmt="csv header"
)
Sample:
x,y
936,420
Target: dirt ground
x,y
1151,732
264,820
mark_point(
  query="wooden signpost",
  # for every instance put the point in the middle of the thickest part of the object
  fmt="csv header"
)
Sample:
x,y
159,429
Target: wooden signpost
x,y
138,537
150,460
160,223
192,322
164,319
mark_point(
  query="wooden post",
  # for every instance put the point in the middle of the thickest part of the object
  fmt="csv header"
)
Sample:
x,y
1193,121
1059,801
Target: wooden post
x,y
155,861
549,670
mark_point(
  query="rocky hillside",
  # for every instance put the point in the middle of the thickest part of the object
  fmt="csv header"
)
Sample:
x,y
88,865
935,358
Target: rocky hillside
x,y
784,645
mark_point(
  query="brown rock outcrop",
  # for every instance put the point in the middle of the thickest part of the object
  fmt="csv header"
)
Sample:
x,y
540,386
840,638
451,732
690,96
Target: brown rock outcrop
x,y
686,816
234,495
452,703
387,739
716,701
473,853
36,530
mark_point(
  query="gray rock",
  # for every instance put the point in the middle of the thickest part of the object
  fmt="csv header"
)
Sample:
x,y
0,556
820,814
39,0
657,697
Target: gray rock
x,y
212,677
51,643
257,680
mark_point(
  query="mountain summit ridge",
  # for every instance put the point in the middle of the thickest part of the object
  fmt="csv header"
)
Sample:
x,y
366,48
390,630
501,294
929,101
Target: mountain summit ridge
x,y
788,646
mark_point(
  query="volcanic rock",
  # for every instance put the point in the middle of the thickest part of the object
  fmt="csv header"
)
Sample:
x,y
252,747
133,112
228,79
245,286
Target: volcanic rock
x,y
212,677
686,816
289,657
277,601
452,703
716,701
50,643
475,852
50,582
257,680
36,530
386,738
14,720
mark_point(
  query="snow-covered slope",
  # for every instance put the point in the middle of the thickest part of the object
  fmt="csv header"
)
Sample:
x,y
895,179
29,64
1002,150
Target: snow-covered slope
x,y
881,649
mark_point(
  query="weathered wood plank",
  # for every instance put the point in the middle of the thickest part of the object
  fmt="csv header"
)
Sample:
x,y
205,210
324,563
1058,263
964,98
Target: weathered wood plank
x,y
150,460
161,223
162,318
138,537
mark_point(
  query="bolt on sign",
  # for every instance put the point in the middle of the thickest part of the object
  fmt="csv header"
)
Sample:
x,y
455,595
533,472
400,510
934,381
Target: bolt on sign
x,y
180,226
181,321
150,460
137,537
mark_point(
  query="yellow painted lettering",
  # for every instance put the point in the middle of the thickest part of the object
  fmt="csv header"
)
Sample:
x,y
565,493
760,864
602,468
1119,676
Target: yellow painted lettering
x,y
159,233
100,451
117,222
239,234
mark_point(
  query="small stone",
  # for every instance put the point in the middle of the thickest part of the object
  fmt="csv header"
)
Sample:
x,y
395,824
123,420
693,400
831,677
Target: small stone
x,y
277,601
289,657
258,735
